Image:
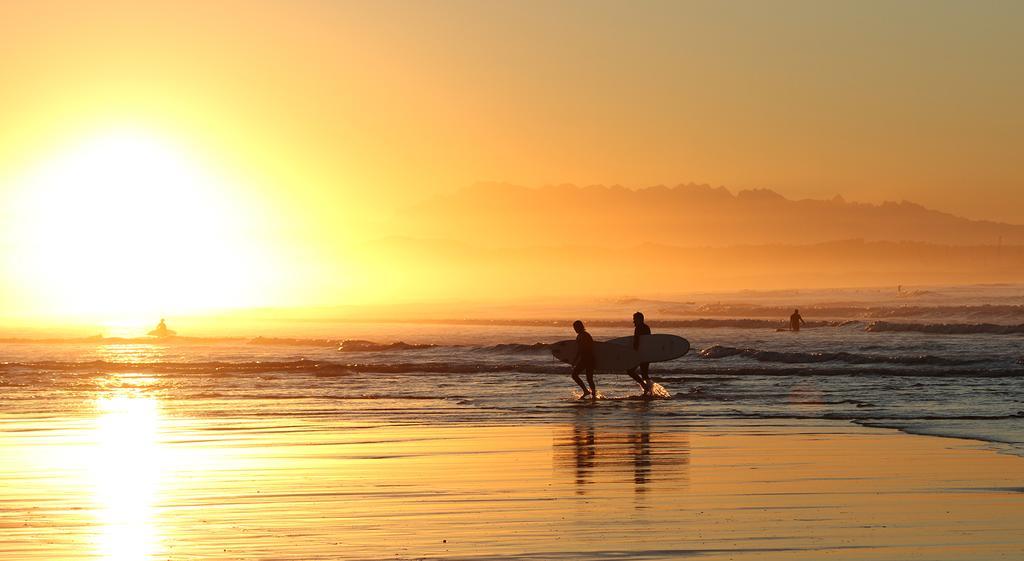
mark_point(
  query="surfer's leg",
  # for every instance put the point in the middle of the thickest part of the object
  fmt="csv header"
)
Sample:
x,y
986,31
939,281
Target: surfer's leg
x,y
636,377
576,378
590,380
645,373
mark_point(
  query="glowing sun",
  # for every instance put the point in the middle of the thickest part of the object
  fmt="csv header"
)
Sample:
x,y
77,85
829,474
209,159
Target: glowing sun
x,y
126,224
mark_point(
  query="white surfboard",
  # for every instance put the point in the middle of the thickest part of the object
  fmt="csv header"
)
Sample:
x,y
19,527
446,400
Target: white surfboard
x,y
608,356
658,347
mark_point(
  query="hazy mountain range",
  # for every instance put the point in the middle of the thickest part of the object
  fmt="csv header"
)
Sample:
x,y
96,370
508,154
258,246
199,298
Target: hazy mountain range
x,y
494,241
432,268
496,214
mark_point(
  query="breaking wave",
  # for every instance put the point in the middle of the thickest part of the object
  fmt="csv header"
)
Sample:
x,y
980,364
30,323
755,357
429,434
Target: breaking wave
x,y
360,345
980,312
793,357
947,328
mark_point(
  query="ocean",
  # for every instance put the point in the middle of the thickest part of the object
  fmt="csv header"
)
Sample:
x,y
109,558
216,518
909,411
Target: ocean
x,y
962,379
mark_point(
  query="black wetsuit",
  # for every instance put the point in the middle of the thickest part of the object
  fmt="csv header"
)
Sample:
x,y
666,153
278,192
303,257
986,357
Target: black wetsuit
x,y
643,378
794,322
642,329
585,352
585,362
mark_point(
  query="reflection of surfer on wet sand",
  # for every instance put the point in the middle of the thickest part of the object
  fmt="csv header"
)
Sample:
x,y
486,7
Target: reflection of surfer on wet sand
x,y
607,452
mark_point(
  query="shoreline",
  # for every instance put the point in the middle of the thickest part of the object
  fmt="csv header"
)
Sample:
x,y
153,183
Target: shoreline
x,y
587,487
1005,446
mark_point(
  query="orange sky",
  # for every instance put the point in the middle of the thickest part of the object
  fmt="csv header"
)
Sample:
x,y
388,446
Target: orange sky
x,y
319,119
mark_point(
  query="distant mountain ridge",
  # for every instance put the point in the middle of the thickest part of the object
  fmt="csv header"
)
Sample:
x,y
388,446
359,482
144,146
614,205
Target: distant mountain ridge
x,y
690,215
439,268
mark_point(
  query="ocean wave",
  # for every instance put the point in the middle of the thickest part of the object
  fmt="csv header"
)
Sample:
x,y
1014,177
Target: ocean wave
x,y
946,328
213,368
344,345
292,342
1000,312
793,366
794,357
317,368
515,348
264,395
738,323
361,346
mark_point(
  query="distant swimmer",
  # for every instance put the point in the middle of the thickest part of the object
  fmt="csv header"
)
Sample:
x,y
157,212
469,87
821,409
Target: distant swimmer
x,y
643,378
162,330
795,321
584,360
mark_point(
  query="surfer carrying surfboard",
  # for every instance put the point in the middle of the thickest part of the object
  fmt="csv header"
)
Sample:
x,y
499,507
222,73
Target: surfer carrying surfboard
x,y
584,361
622,354
643,378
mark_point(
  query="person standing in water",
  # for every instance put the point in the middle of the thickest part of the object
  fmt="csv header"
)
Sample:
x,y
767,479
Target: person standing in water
x,y
584,360
643,378
795,321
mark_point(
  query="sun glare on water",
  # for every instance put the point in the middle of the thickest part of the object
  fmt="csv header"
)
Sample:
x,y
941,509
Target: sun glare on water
x,y
125,224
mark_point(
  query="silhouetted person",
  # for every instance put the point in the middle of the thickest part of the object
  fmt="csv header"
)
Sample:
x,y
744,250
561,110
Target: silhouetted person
x,y
644,379
795,321
162,330
584,360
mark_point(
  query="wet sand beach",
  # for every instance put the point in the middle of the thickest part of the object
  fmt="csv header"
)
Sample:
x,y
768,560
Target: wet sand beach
x,y
131,478
327,280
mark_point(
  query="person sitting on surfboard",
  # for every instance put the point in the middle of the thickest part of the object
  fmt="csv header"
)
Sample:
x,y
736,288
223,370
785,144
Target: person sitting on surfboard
x,y
795,320
162,330
644,379
584,360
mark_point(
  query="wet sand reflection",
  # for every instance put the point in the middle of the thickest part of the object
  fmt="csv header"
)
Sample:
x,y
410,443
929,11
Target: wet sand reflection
x,y
599,450
126,467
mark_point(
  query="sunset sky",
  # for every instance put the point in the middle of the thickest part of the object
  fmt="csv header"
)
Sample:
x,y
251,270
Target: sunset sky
x,y
292,132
